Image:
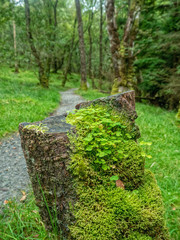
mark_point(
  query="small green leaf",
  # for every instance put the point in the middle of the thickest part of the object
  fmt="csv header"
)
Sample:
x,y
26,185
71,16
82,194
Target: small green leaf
x,y
118,134
89,148
101,154
105,167
114,178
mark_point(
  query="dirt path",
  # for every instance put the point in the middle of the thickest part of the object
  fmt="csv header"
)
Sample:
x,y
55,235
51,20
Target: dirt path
x,y
13,172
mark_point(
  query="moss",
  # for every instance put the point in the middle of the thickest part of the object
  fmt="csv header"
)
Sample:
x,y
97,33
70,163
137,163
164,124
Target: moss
x,y
83,86
115,87
106,212
104,150
178,115
38,128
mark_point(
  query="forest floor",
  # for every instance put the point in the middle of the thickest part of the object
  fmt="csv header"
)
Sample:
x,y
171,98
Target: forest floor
x,y
13,172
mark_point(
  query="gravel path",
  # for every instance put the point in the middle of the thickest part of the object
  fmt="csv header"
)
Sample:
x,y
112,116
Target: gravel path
x,y
13,172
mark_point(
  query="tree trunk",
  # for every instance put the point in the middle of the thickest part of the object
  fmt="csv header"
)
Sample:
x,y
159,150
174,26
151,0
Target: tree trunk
x,y
122,51
81,46
43,77
55,27
68,68
100,44
91,14
15,48
114,43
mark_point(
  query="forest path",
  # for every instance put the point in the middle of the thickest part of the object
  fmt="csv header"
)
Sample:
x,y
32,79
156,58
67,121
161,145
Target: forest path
x,y
13,171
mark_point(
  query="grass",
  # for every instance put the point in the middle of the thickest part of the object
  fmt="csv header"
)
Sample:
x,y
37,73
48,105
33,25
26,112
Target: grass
x,y
91,94
22,100
159,127
20,220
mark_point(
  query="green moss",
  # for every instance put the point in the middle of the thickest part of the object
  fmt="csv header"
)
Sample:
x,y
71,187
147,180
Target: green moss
x,y
107,212
178,115
104,150
115,87
38,128
83,86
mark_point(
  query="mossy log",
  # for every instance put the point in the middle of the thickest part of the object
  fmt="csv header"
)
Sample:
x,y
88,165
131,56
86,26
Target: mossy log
x,y
74,206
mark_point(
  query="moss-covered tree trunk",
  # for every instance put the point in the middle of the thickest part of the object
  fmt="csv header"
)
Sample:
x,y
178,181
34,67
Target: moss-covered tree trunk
x,y
122,50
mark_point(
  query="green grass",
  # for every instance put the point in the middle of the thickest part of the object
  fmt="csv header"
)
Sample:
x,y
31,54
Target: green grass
x,y
21,221
22,100
91,94
159,127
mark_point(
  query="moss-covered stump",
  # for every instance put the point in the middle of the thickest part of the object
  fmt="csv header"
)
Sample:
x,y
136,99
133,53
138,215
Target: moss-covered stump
x,y
90,182
46,149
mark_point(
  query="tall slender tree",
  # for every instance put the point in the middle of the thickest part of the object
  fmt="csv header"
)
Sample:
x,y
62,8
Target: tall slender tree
x,y
81,46
43,75
15,47
100,43
91,17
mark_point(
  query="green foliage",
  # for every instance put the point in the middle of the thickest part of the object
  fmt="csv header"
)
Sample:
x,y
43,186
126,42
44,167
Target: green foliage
x,y
103,152
106,140
158,42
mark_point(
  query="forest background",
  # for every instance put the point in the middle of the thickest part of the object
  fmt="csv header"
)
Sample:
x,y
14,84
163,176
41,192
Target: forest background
x,y
47,40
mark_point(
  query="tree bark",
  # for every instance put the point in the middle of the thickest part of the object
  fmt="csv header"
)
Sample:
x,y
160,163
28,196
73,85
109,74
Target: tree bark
x,y
122,51
47,158
43,77
91,15
68,68
100,44
81,46
55,27
15,48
